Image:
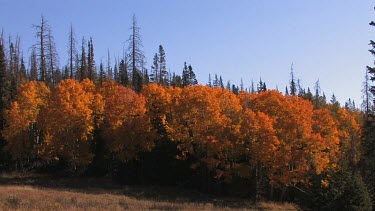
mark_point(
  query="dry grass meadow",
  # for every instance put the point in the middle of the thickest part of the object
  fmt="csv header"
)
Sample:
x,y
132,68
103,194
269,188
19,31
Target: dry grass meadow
x,y
32,193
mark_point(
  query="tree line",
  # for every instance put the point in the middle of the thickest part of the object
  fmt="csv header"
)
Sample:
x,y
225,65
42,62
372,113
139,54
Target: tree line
x,y
157,127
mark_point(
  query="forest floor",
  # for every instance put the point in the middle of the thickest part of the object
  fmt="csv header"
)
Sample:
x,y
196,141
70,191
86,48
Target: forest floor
x,y
40,192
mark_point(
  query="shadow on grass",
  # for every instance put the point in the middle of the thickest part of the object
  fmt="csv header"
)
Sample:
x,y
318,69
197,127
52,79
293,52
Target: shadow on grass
x,y
107,186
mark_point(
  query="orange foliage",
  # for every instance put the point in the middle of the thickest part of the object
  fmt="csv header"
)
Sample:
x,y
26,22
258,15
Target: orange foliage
x,y
22,131
325,140
68,123
279,136
126,126
349,134
293,122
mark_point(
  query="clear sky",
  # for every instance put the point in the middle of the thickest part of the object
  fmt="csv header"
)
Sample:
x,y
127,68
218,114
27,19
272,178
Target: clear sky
x,y
249,39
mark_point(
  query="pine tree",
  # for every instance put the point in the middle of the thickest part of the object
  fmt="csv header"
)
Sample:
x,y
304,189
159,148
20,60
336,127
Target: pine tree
x,y
221,84
216,81
3,103
154,76
317,95
109,68
3,68
262,87
252,88
23,71
367,97
228,86
83,66
163,73
124,78
286,91
293,89
12,70
66,73
335,104
90,61
146,78
235,89
33,75
301,91
116,72
102,75
14,65
185,76
192,78
209,81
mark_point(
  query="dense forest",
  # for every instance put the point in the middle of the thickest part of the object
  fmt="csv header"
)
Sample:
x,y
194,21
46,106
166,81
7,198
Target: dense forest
x,y
156,127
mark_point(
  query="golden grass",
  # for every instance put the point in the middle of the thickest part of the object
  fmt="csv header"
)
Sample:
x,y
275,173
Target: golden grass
x,y
42,193
30,198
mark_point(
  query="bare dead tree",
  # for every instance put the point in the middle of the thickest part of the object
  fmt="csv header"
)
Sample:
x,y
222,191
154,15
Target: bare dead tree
x,y
53,61
72,51
42,36
136,55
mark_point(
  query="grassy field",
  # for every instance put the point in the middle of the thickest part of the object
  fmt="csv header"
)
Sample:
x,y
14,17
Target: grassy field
x,y
32,193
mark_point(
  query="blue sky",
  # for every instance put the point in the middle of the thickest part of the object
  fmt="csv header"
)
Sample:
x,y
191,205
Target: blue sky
x,y
249,39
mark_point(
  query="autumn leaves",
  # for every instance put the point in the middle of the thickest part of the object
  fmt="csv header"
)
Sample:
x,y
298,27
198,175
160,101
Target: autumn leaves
x,y
281,137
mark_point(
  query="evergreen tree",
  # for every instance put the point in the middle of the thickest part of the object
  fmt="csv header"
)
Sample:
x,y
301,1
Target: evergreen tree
x,y
293,88
367,98
185,76
308,95
154,76
350,105
261,86
23,71
3,102
33,75
176,80
301,91
192,78
368,134
163,73
109,68
216,81
221,84
14,66
83,67
228,86
286,90
345,191
335,104
124,78
102,75
66,73
146,78
317,95
252,88
116,72
235,89
209,81
12,70
3,82
90,61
